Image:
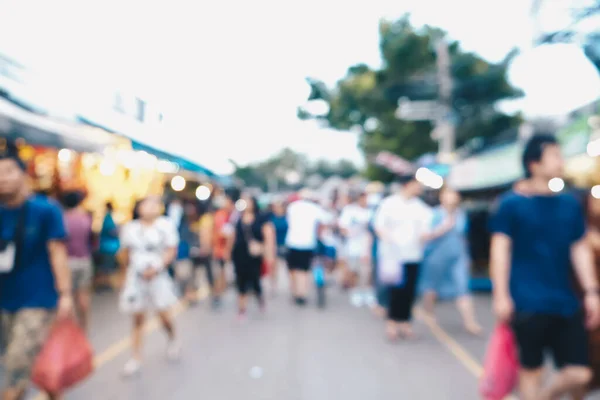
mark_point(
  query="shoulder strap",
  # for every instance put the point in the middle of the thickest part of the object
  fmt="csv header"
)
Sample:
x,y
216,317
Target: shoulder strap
x,y
19,237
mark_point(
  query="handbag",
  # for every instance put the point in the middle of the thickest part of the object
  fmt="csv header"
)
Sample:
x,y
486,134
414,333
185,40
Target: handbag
x,y
255,248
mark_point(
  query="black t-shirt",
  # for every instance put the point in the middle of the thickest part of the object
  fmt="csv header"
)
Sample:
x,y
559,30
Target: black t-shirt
x,y
244,233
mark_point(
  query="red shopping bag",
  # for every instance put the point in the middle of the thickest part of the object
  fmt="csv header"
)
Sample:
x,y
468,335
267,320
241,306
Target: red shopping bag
x,y
65,360
501,368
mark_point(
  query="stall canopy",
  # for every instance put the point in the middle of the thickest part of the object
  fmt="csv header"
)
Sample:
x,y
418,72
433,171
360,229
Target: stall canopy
x,y
181,162
18,123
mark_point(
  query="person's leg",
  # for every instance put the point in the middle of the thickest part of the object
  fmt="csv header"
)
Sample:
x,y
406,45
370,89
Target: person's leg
x,y
531,334
173,348
25,331
409,293
242,283
258,291
137,335
291,262
394,311
467,310
83,298
570,349
302,278
429,300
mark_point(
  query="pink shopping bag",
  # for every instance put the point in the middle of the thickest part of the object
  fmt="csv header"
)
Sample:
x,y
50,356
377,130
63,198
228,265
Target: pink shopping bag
x,y
501,368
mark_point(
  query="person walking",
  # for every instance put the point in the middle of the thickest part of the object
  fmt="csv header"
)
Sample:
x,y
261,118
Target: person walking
x,y
447,261
401,222
254,243
538,241
149,245
305,219
78,223
35,278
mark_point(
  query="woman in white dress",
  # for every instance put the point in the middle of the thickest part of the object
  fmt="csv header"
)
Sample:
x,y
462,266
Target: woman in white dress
x,y
149,246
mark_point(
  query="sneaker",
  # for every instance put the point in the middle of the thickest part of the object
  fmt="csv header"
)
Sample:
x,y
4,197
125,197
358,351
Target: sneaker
x,y
132,367
370,300
173,350
357,300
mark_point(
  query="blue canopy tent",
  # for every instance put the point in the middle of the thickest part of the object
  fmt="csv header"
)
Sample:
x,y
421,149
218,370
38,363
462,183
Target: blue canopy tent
x,y
183,163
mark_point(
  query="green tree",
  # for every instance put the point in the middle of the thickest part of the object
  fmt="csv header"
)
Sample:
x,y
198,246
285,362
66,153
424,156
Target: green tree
x,y
366,99
278,171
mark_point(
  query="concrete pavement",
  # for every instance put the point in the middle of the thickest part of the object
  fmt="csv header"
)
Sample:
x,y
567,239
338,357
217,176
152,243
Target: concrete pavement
x,y
288,353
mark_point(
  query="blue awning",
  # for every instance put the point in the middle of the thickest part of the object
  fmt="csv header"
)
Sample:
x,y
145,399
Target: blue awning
x,y
182,162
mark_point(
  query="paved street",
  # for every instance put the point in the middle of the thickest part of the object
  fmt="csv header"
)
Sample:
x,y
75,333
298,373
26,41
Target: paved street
x,y
289,354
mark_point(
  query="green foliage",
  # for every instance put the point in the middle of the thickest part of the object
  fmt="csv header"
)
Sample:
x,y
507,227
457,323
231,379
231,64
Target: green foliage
x,y
274,173
367,98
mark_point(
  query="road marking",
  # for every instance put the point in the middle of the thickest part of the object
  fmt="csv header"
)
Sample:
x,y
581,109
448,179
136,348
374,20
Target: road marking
x,y
119,347
455,348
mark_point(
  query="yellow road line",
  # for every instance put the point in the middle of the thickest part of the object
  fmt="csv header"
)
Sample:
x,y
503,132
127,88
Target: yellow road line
x,y
455,348
119,347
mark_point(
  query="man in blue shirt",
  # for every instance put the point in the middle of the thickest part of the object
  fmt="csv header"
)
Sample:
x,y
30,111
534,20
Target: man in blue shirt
x,y
35,280
538,241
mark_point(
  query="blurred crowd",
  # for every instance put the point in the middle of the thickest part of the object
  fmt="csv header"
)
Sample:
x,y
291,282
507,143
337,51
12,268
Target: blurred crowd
x,y
386,247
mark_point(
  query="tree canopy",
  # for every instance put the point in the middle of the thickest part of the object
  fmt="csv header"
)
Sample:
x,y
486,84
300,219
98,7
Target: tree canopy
x,y
366,99
289,169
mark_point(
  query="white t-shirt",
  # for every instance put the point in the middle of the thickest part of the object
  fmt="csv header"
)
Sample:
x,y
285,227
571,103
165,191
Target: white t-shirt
x,y
303,219
355,220
147,244
406,220
327,235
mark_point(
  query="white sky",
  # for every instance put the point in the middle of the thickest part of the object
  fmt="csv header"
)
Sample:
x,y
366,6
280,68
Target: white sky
x,y
230,74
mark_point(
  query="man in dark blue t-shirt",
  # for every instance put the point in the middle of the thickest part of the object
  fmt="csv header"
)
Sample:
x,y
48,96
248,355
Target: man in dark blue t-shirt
x,y
35,279
538,241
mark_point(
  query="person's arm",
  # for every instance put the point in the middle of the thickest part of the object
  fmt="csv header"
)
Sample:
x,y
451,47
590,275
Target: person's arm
x,y
502,228
448,223
582,256
206,235
268,231
593,238
500,255
59,260
171,241
582,259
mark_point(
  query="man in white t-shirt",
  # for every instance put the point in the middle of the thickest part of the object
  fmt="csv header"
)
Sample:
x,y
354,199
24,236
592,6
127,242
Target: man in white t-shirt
x,y
354,224
400,223
304,218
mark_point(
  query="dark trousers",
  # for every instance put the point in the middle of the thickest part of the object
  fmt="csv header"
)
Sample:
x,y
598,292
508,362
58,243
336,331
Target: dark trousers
x,y
402,298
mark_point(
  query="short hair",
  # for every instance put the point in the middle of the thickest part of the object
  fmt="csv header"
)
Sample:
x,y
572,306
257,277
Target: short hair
x,y
534,150
233,194
10,151
406,178
109,206
72,199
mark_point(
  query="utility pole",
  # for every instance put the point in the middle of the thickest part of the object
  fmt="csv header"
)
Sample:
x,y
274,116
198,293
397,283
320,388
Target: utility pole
x,y
445,131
